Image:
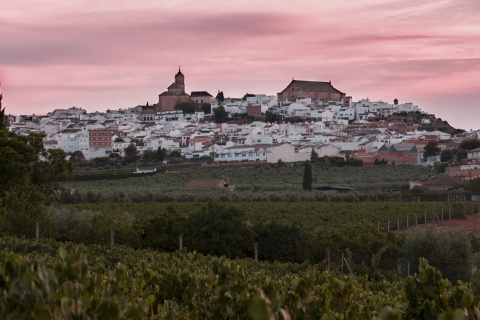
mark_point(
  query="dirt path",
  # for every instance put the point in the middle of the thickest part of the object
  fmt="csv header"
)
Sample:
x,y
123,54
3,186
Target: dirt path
x,y
471,224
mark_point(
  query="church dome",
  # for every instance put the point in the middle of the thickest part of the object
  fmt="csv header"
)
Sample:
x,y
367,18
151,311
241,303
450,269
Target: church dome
x,y
179,74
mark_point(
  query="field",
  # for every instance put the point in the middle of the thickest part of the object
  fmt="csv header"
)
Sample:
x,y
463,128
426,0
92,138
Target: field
x,y
46,279
265,250
268,182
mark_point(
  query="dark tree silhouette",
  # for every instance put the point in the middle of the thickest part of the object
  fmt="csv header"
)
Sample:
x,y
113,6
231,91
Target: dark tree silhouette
x,y
307,177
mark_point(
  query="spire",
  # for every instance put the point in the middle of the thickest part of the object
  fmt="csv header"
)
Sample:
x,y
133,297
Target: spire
x,y
179,73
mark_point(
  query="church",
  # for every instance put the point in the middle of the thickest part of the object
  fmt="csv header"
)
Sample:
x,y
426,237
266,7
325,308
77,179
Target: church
x,y
175,93
316,90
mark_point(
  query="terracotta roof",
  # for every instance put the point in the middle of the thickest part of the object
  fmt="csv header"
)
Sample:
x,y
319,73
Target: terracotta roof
x,y
217,183
315,86
446,181
200,94
168,93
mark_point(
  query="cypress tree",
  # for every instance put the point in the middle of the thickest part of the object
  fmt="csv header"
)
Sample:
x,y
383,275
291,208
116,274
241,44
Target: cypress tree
x,y
307,177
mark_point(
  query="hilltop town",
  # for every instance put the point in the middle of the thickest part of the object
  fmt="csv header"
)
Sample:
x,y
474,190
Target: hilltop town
x,y
306,117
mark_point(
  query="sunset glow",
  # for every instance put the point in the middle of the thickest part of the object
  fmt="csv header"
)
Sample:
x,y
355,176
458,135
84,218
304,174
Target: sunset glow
x,y
107,54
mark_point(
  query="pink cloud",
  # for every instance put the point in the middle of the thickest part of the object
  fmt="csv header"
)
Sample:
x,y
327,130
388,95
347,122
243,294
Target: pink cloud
x,y
119,54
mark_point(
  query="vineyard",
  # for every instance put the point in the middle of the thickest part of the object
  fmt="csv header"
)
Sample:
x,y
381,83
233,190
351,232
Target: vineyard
x,y
265,182
49,280
309,216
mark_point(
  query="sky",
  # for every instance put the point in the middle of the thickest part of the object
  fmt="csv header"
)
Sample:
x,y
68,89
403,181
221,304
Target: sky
x,y
111,54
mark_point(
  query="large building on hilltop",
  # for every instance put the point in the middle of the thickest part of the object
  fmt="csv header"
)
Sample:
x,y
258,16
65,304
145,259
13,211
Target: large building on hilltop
x,y
316,90
175,93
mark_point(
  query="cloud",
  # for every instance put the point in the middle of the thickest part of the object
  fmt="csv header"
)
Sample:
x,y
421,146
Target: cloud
x,y
132,37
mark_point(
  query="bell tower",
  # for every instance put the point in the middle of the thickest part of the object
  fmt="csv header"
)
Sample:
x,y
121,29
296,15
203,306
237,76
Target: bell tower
x,y
180,80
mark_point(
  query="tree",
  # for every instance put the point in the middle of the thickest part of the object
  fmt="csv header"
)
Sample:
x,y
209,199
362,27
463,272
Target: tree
x,y
470,144
161,152
282,243
3,118
131,153
77,156
188,106
54,167
395,101
450,252
447,155
149,156
221,115
307,177
24,161
206,108
431,149
313,155
272,117
29,174
220,98
219,230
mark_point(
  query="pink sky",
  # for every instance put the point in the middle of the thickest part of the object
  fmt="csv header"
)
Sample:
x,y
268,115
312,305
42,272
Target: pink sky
x,y
107,54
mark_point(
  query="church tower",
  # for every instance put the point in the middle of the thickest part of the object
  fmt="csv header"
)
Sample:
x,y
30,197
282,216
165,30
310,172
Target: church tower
x,y
175,93
180,80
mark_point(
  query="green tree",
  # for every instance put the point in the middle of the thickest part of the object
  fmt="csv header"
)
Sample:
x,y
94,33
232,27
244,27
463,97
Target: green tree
x,y
447,155
161,152
470,144
24,161
221,115
282,243
131,153
307,177
77,156
363,239
206,107
220,98
188,106
219,230
29,174
431,149
52,168
149,156
313,155
450,252
272,117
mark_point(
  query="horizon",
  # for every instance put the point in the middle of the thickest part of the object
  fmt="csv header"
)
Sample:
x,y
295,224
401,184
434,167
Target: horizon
x,y
110,55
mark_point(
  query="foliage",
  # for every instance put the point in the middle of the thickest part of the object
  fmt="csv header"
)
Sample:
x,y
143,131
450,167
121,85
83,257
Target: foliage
x,y
431,149
447,155
161,152
474,185
188,106
149,156
77,156
220,114
219,97
450,251
470,144
271,117
219,230
281,242
25,162
3,118
339,162
206,108
440,166
131,153
46,279
307,177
